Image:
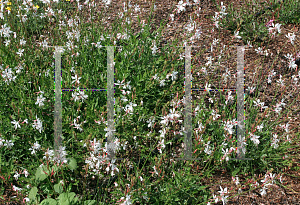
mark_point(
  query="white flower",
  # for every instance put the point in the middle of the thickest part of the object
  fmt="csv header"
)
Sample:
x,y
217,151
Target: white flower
x,y
35,147
16,124
76,79
128,200
6,42
173,76
278,27
25,173
215,115
5,30
228,126
129,107
154,49
259,127
286,127
289,56
125,92
263,191
207,148
236,34
77,126
26,199
155,170
223,8
16,188
259,50
141,178
19,68
210,59
127,86
251,89
136,8
229,97
291,37
236,180
215,41
181,56
22,42
222,192
120,83
225,152
207,88
49,154
215,198
1,142
173,114
197,33
17,175
9,143
79,95
61,155
20,52
249,44
72,70
38,124
224,199
145,197
7,74
280,81
155,77
292,64
274,141
255,139
181,6
162,83
40,100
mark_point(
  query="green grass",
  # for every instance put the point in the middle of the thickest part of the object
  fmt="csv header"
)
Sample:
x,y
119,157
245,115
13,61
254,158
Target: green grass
x,y
181,182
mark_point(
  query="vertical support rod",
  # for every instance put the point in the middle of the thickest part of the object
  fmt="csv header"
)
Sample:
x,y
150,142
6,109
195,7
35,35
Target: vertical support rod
x,y
240,102
57,106
188,107
110,103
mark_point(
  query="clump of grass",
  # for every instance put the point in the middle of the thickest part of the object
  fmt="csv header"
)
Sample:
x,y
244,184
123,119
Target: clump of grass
x,y
254,20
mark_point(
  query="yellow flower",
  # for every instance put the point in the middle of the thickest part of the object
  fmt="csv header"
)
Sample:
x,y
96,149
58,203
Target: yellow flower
x,y
37,6
67,0
8,8
9,3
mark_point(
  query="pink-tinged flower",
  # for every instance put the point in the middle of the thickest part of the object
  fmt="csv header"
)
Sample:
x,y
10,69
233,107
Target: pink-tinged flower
x,y
16,188
270,22
25,173
26,200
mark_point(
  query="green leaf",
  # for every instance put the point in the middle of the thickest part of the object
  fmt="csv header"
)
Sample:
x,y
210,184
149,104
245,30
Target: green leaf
x,y
89,202
72,164
40,175
49,201
66,198
58,188
32,193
